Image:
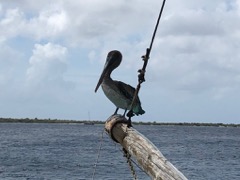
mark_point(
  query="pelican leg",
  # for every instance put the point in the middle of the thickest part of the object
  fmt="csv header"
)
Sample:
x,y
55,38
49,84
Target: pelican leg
x,y
130,115
116,111
125,112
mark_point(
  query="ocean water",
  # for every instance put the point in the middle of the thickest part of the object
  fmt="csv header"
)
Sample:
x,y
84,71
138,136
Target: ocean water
x,y
69,151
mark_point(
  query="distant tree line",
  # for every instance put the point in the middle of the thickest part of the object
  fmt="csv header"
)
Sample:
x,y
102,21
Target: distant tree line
x,y
36,120
92,122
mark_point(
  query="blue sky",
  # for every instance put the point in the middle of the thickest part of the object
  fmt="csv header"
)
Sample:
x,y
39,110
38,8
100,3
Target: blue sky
x,y
52,53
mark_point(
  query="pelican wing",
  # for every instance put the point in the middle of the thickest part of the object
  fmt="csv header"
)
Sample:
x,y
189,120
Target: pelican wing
x,y
127,90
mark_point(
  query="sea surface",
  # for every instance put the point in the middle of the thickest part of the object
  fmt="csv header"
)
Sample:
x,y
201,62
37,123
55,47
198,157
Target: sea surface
x,y
46,151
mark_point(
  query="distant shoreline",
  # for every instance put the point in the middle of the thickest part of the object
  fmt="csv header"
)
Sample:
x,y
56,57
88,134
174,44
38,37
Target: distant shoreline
x,y
88,122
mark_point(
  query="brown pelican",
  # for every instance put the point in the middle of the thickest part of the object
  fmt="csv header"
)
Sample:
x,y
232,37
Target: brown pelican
x,y
119,93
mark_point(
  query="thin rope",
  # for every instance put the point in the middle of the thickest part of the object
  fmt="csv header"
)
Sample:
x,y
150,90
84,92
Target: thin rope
x,y
98,155
156,27
145,58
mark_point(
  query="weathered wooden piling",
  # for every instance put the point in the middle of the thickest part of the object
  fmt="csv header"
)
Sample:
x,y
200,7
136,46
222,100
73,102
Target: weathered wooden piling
x,y
138,146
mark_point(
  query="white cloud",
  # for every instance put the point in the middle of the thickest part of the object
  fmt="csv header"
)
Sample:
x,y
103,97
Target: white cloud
x,y
47,65
49,23
11,23
195,51
86,24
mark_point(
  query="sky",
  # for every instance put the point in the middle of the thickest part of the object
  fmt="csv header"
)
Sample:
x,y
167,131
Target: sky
x,y
53,52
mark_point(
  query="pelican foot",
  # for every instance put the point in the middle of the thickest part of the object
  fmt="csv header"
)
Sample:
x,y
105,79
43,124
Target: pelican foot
x,y
130,115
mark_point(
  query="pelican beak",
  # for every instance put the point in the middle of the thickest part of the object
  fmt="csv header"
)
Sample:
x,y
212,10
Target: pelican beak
x,y
105,70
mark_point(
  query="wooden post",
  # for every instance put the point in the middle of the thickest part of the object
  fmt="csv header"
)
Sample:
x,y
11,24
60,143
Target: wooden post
x,y
138,146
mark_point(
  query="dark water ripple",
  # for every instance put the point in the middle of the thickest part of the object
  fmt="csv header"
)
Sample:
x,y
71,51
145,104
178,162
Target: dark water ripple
x,y
69,151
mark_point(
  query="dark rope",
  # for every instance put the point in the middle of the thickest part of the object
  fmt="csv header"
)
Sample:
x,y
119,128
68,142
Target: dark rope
x,y
128,157
141,76
155,30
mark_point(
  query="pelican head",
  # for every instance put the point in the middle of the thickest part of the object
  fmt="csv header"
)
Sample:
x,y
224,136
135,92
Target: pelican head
x,y
113,60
